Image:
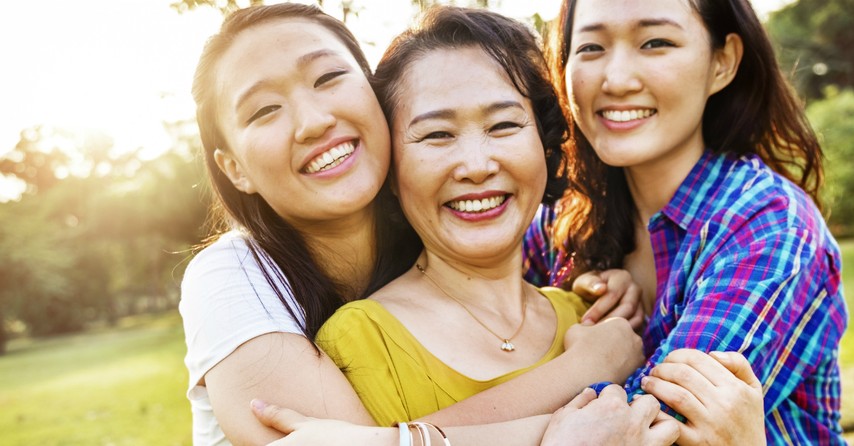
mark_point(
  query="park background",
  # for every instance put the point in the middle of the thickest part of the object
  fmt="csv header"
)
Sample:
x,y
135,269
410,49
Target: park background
x,y
102,196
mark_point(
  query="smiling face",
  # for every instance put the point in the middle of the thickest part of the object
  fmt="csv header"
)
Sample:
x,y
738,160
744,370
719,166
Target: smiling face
x,y
302,124
639,75
469,165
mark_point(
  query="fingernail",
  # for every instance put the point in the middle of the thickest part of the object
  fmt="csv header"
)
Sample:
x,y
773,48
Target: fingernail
x,y
718,355
598,287
644,381
258,405
588,390
586,321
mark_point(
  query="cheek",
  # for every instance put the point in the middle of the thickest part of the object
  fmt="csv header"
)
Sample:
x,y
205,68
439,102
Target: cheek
x,y
407,172
531,164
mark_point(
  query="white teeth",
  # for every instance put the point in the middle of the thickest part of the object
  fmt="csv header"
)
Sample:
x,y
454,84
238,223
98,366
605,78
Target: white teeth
x,y
627,115
477,205
331,157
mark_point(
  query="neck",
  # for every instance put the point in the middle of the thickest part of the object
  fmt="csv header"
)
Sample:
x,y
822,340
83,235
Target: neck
x,y
497,286
653,185
346,250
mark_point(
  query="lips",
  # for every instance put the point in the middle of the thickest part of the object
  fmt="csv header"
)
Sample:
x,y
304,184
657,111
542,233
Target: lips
x,y
332,157
477,206
627,115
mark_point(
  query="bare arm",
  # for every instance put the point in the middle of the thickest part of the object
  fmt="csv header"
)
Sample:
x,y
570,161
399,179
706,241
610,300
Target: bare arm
x,y
287,371
308,431
606,420
608,351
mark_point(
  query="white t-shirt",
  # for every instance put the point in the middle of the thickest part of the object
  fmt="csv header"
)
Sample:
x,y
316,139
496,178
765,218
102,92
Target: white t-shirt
x,y
226,301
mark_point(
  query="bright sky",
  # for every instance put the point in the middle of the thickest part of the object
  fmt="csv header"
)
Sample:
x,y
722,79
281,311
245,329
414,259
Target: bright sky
x,y
122,67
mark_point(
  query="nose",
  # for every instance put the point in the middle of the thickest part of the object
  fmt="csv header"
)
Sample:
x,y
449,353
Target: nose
x,y
311,121
621,77
476,161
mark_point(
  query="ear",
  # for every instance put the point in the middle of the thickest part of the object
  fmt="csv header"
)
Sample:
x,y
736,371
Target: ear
x,y
726,62
234,171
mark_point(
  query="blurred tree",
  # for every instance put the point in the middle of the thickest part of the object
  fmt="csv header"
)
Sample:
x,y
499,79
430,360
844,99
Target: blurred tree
x,y
95,235
832,119
815,40
348,7
224,6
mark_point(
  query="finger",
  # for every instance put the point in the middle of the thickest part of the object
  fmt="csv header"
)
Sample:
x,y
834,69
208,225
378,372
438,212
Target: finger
x,y
625,306
665,432
614,391
582,399
739,366
647,407
589,286
279,418
662,417
602,307
676,397
638,320
618,280
687,377
705,364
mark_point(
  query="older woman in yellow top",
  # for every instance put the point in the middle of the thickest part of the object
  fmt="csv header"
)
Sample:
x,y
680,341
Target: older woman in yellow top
x,y
476,133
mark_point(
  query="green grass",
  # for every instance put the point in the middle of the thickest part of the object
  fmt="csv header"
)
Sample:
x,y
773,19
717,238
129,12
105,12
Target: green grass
x,y
120,387
125,386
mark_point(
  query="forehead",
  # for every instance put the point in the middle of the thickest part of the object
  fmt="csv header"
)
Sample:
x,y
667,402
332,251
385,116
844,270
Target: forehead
x,y
592,14
454,78
272,50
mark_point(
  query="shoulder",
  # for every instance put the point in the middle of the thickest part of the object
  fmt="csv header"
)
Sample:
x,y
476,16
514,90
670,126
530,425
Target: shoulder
x,y
226,300
355,315
755,202
561,298
230,252
359,326
759,214
227,267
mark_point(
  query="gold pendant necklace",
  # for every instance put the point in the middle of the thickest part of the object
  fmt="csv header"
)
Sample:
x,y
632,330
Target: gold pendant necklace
x,y
506,344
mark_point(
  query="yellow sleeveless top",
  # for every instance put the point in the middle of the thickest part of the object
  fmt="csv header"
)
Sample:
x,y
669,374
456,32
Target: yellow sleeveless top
x,y
396,378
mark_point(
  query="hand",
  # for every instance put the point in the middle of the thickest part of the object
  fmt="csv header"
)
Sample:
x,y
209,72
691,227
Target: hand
x,y
609,420
613,293
306,431
610,346
718,394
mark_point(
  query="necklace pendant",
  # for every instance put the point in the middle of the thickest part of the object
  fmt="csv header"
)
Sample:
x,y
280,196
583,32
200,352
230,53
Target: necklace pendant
x,y
507,346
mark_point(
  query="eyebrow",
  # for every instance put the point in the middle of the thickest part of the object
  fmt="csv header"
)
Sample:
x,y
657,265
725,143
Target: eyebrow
x,y
643,23
301,62
448,113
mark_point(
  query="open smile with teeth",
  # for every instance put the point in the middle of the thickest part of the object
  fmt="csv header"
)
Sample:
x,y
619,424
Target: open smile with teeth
x,y
627,115
476,205
331,157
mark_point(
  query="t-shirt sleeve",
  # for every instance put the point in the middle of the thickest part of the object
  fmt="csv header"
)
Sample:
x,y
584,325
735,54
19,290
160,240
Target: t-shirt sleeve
x,y
226,301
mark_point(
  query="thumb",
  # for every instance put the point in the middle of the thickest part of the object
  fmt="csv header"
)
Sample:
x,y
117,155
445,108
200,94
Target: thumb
x,y
582,399
738,365
279,418
589,286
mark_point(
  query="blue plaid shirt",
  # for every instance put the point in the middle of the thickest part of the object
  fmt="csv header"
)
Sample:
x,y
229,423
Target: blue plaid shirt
x,y
744,262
